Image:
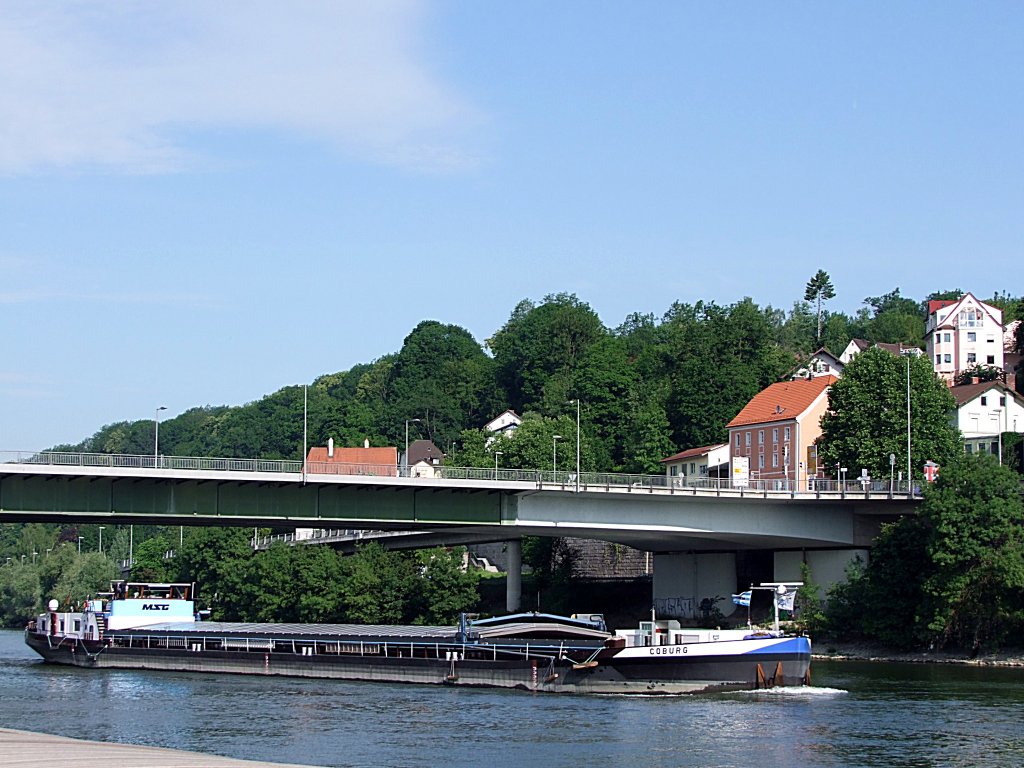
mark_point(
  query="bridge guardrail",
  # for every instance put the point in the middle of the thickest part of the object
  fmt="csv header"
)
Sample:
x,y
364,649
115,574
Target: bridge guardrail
x,y
588,481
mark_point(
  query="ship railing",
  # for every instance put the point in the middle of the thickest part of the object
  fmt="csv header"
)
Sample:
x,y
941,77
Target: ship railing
x,y
376,648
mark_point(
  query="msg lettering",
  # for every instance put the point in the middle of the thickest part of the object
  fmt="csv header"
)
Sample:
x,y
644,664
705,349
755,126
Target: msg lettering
x,y
155,607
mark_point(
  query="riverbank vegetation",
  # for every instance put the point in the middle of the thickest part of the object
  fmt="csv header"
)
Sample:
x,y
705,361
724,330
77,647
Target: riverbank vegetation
x,y
951,576
302,583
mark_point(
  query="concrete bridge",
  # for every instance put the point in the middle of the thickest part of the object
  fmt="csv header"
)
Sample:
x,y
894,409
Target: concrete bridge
x,y
693,529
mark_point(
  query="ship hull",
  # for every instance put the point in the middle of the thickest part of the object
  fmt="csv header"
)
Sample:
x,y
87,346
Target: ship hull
x,y
662,670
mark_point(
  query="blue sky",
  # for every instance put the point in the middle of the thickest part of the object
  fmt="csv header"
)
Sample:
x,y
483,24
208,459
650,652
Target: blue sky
x,y
203,202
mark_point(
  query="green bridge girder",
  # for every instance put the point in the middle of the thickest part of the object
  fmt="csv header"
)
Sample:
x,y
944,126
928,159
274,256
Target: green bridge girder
x,y
241,502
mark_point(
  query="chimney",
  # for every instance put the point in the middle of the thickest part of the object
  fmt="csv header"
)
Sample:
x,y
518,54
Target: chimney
x,y
975,380
330,448
366,443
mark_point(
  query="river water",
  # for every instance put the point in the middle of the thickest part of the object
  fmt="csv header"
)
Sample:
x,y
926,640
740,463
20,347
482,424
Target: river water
x,y
857,714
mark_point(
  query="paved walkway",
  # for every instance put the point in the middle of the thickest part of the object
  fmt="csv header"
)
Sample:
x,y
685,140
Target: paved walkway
x,y
24,749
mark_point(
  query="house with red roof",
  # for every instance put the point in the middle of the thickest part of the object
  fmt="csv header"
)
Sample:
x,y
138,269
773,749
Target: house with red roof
x,y
963,333
777,430
330,460
696,464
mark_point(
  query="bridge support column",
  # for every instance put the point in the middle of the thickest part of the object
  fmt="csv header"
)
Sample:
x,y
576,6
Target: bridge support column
x,y
513,575
828,566
682,581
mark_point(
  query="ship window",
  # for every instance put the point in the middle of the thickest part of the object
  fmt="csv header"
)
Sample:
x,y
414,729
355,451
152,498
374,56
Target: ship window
x,y
78,625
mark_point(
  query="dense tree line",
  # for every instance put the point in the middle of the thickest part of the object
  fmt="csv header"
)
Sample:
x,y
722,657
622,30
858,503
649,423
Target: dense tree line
x,y
303,583
648,387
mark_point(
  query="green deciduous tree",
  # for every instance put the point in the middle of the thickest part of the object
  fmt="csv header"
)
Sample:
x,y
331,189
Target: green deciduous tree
x,y
378,586
446,587
867,416
973,518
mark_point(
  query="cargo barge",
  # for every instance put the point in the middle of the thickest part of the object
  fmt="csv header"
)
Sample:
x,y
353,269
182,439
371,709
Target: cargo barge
x,y
154,626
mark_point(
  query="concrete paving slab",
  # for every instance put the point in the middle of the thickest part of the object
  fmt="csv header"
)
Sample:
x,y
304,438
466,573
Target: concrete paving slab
x,y
25,749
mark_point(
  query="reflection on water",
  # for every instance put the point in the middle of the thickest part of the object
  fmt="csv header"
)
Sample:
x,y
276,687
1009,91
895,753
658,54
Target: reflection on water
x,y
858,714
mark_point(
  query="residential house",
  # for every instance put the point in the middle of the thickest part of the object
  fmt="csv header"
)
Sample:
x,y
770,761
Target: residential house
x,y
984,411
856,346
822,363
352,461
506,422
778,428
963,333
696,464
424,459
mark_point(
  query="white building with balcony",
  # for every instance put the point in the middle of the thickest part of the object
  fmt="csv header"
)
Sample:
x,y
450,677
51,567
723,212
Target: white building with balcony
x,y
962,334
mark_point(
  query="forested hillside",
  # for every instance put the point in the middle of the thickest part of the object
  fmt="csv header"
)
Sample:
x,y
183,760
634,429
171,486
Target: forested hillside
x,y
649,387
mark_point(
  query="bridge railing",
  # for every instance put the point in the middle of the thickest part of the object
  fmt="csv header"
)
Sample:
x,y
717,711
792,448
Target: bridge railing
x,y
589,481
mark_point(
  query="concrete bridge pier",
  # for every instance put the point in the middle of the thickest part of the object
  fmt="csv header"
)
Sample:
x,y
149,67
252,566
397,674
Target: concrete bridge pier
x,y
828,566
683,580
513,575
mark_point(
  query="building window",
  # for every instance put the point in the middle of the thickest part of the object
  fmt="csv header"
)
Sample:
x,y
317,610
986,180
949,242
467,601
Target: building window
x,y
972,336
991,339
971,357
674,470
760,437
760,461
945,337
1002,402
737,439
693,468
775,435
994,449
991,359
969,448
938,359
947,358
747,439
775,459
984,400
785,434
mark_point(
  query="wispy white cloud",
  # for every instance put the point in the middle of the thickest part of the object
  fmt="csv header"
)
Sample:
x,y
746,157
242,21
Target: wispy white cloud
x,y
89,83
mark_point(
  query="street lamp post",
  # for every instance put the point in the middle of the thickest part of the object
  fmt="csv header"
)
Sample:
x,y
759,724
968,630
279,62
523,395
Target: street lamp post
x,y
34,557
998,413
80,544
156,434
407,423
910,478
554,456
101,538
892,472
496,455
577,401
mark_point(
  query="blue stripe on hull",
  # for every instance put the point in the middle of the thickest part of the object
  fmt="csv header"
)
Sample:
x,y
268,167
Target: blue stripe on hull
x,y
790,645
